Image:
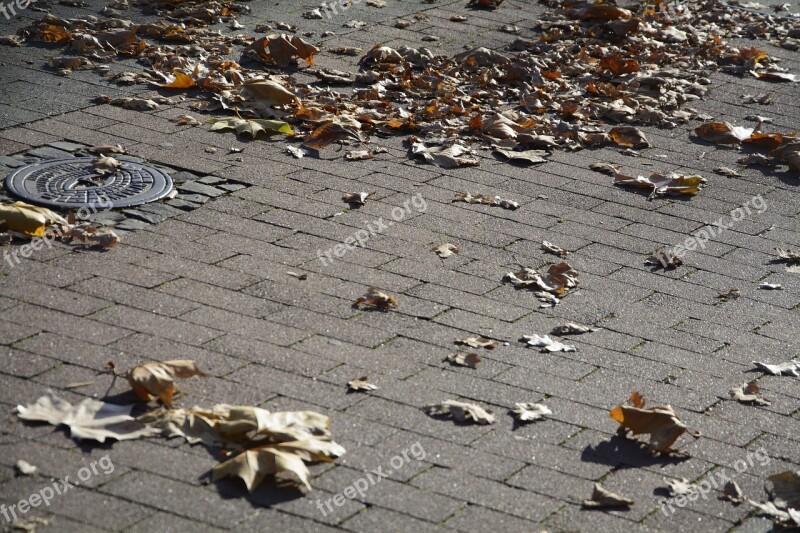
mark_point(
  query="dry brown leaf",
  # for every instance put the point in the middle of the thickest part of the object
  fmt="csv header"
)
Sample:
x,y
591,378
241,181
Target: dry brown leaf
x,y
558,280
478,342
470,359
661,423
361,385
749,393
461,412
733,493
789,154
788,256
330,133
732,294
376,299
157,380
665,259
571,328
470,198
659,184
722,133
605,499
486,4
629,136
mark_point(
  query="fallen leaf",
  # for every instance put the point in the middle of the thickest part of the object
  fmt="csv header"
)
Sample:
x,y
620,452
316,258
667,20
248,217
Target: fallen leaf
x,y
267,93
789,368
107,149
478,342
297,151
571,328
460,411
157,380
360,385
679,487
178,80
725,171
788,256
486,4
30,220
772,75
106,165
29,524
770,286
749,393
357,198
453,156
463,359
185,120
251,127
530,412
555,284
91,419
486,200
358,155
722,133
301,277
732,294
789,153
377,300
553,249
605,499
659,184
88,235
547,344
330,133
527,156
786,488
24,468
283,50
629,136
445,250
661,423
664,258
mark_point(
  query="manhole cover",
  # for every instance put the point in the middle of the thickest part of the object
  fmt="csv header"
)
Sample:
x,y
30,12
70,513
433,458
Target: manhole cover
x,y
73,183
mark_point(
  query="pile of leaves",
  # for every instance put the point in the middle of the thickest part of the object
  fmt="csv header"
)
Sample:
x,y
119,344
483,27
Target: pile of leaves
x,y
259,444
592,65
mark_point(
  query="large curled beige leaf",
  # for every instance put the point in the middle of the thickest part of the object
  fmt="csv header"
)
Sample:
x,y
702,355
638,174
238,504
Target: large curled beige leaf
x,y
661,423
659,184
30,220
452,156
722,133
749,393
460,411
91,419
268,93
157,380
237,423
285,461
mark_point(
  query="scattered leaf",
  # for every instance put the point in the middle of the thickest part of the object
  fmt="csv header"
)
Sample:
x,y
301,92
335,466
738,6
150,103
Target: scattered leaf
x,y
789,368
527,156
24,468
530,412
486,200
157,380
91,419
732,294
251,127
722,133
553,249
470,359
301,277
665,259
571,328
661,423
460,411
478,342
376,299
733,493
445,250
106,165
680,487
547,344
605,499
629,136
357,198
770,286
749,393
659,184
361,385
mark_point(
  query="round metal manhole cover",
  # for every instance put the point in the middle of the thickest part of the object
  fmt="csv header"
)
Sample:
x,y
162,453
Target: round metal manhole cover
x,y
72,183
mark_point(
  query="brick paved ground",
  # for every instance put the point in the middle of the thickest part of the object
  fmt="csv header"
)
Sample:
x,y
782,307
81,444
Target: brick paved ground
x,y
210,284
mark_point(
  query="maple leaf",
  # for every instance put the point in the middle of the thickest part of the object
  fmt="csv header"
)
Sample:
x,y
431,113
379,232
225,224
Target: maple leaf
x,y
91,419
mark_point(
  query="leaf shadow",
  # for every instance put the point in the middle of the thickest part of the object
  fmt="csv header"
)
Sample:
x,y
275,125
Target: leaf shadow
x,y
266,495
622,452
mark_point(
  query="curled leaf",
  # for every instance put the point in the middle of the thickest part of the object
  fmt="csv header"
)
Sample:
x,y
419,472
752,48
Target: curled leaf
x,y
157,380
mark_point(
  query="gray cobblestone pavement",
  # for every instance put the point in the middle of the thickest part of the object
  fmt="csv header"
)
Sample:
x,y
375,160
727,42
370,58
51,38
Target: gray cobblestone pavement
x,y
210,284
